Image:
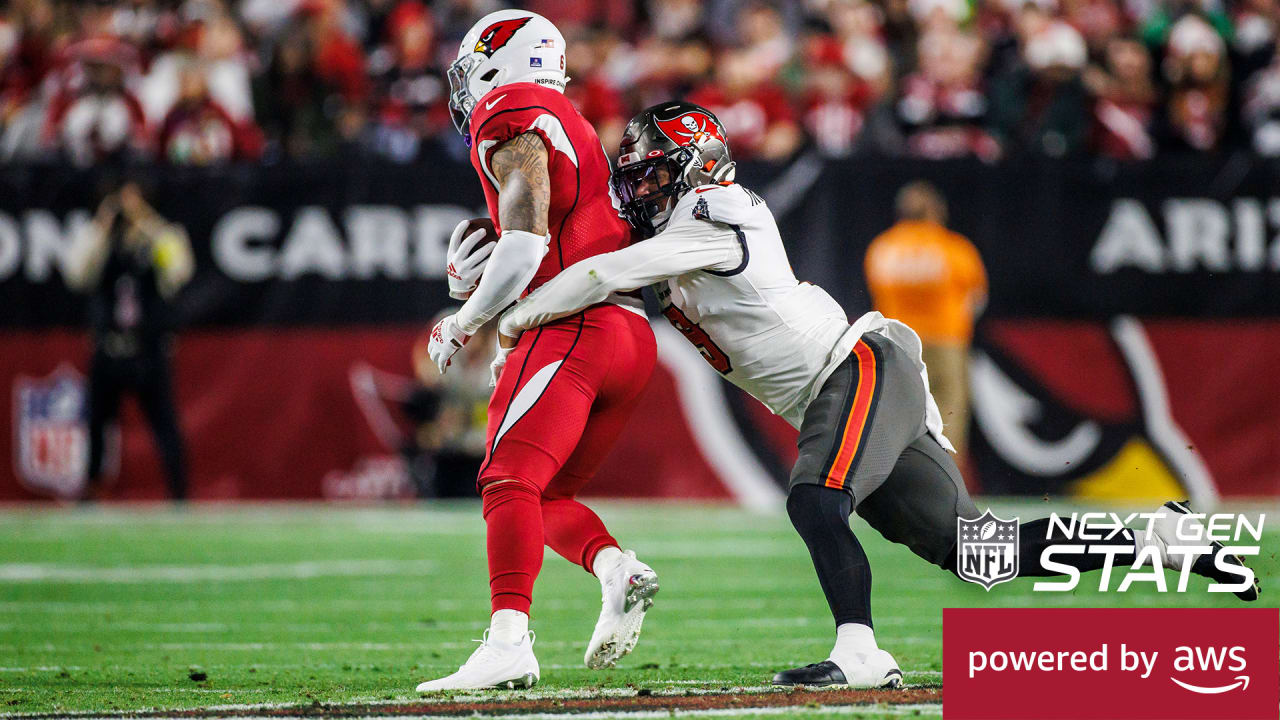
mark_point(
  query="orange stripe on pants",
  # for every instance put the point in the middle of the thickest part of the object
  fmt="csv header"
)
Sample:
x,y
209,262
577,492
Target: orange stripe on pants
x,y
859,415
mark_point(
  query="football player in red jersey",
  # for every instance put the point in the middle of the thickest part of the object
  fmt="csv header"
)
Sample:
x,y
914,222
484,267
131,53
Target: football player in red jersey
x,y
566,389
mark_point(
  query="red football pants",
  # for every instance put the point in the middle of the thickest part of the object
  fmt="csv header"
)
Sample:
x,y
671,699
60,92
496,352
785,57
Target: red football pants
x,y
563,398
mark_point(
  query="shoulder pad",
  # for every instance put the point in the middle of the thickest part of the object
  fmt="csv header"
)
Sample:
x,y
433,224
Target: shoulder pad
x,y
729,203
515,96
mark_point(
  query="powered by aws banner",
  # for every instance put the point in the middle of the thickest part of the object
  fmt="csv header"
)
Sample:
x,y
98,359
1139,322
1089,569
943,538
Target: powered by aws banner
x,y
1128,349
1144,664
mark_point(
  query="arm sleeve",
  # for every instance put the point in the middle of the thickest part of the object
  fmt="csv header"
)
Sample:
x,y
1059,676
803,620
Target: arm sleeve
x,y
677,250
512,265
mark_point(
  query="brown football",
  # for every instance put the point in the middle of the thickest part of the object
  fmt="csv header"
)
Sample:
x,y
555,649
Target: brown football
x,y
485,224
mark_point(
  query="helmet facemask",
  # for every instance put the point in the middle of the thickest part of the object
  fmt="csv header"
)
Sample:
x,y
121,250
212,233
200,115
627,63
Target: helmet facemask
x,y
649,189
461,99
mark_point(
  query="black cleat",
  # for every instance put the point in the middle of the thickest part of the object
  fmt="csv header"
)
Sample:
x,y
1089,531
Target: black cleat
x,y
819,674
1206,567
879,671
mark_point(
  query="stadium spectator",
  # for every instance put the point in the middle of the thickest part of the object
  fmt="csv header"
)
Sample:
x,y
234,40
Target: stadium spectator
x,y
1040,106
1125,101
212,43
674,19
932,279
1262,110
930,78
765,40
28,32
754,110
593,91
1098,21
859,29
1196,68
293,101
941,108
132,263
836,101
668,67
409,95
95,117
199,131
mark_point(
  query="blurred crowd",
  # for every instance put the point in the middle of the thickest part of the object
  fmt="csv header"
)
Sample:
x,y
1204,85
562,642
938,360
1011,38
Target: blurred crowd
x,y
209,81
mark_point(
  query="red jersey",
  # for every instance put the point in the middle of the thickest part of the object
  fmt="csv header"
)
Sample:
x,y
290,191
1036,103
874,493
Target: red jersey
x,y
583,216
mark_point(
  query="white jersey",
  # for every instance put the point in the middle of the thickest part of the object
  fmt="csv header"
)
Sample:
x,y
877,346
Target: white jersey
x,y
725,282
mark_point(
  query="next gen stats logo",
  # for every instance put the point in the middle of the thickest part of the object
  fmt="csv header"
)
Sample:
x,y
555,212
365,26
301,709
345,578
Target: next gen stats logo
x,y
987,549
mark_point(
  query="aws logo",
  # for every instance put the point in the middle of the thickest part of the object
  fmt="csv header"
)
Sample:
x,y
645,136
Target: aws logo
x,y
1079,409
1211,659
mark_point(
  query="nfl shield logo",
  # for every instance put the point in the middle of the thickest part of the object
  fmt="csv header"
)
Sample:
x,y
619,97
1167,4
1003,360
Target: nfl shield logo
x,y
52,434
987,550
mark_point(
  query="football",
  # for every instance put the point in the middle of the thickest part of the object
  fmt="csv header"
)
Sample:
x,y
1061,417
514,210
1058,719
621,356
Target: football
x,y
988,530
491,234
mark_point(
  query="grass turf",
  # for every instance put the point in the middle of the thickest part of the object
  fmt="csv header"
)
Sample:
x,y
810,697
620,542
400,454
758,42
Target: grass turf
x,y
114,610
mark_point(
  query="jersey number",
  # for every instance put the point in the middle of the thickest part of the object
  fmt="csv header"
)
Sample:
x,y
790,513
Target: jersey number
x,y
696,335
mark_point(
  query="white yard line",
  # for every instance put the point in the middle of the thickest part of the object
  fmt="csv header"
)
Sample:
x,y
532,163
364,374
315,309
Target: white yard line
x,y
422,646
911,710
49,572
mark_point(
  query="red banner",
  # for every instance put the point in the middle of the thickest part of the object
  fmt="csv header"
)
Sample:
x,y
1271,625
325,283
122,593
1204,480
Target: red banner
x,y
1137,664
281,414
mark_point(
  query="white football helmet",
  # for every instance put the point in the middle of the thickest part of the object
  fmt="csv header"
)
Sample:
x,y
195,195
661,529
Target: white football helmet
x,y
507,46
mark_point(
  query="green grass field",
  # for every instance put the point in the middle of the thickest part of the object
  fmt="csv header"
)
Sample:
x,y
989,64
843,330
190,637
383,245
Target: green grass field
x,y
112,610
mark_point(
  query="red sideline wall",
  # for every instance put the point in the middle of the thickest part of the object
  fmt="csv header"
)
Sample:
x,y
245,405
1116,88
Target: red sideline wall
x,y
268,414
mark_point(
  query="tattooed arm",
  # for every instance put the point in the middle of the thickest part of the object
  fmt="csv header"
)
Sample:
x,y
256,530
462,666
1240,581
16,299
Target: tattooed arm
x,y
524,196
524,183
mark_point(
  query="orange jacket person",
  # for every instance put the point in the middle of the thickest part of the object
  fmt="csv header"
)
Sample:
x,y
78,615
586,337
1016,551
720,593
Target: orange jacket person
x,y
932,279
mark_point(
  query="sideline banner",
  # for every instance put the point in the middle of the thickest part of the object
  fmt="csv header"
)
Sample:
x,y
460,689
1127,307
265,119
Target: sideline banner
x,y
1128,349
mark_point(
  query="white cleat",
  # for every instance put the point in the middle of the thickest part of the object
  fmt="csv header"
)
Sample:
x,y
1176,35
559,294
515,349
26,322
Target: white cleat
x,y
492,665
879,670
628,592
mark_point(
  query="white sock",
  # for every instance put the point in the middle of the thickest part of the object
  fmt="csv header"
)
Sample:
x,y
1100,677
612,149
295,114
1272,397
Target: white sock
x,y
509,627
606,559
854,642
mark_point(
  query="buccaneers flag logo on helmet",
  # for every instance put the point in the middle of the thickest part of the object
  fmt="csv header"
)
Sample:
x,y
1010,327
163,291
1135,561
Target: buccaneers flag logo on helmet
x,y
497,35
689,126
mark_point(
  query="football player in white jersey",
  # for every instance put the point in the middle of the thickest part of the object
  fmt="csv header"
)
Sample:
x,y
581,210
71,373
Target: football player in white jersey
x,y
870,433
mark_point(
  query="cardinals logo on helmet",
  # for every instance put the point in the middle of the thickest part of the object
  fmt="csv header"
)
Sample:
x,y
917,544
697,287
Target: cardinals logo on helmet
x,y
687,127
498,34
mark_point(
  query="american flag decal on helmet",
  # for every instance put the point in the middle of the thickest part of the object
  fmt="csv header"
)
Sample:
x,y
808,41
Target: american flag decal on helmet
x,y
498,34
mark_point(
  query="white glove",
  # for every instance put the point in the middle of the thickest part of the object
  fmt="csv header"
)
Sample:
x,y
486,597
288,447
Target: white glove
x,y
499,362
446,339
466,263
